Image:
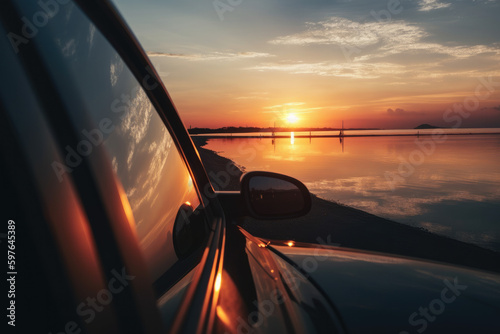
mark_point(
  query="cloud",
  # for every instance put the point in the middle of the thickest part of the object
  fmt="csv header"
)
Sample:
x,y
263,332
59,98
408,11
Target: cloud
x,y
336,30
285,105
435,228
373,70
212,56
254,96
282,110
428,5
457,52
490,108
378,39
372,194
341,31
347,70
402,112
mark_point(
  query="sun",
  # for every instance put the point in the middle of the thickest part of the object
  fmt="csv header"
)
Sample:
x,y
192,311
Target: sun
x,y
292,118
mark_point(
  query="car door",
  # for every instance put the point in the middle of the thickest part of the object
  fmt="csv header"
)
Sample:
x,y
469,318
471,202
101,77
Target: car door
x,y
150,208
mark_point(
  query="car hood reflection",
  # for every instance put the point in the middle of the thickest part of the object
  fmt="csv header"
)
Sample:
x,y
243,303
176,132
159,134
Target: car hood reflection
x,y
385,294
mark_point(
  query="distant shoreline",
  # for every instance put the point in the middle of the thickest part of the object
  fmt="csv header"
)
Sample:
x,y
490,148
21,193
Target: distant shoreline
x,y
351,133
246,129
353,228
230,135
254,131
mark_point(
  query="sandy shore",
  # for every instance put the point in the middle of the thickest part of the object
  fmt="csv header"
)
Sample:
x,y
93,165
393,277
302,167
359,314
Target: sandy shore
x,y
352,228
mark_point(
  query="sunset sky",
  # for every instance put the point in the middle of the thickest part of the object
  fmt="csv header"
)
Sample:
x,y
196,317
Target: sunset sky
x,y
371,63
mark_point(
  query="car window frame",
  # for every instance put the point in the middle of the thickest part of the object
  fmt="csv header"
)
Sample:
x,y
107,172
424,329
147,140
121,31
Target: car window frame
x,y
112,26
197,311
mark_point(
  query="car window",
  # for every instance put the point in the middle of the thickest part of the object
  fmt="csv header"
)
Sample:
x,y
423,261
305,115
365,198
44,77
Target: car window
x,y
119,115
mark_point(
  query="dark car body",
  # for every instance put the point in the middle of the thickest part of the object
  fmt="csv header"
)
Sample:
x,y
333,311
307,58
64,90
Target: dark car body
x,y
115,226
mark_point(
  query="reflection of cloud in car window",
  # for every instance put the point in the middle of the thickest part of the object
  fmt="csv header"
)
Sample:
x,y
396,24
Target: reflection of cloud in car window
x,y
114,164
137,120
69,13
154,173
90,38
149,149
115,69
68,47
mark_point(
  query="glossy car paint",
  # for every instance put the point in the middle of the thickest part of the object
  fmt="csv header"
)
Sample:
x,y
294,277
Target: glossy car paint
x,y
378,293
284,300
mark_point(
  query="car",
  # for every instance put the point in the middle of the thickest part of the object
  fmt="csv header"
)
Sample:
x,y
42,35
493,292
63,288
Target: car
x,y
112,224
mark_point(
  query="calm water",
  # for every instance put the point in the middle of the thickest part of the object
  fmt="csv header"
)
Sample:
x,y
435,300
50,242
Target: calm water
x,y
449,185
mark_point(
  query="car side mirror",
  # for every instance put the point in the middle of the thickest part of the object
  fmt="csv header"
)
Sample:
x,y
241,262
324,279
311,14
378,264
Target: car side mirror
x,y
274,196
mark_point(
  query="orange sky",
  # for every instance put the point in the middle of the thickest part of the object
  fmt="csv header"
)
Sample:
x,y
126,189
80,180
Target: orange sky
x,y
241,97
325,62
